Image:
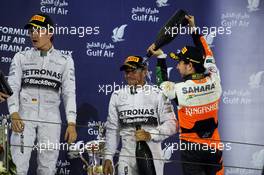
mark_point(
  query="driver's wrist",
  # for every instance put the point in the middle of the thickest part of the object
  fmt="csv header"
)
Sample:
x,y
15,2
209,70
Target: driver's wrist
x,y
71,124
194,29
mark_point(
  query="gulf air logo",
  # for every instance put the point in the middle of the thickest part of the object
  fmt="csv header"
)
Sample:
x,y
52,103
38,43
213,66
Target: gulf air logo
x,y
167,151
256,80
253,5
162,3
118,33
210,38
258,159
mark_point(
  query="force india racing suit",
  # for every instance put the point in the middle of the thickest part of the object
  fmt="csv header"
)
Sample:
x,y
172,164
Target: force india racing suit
x,y
37,82
198,100
148,108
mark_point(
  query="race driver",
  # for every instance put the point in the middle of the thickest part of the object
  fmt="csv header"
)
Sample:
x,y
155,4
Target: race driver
x,y
137,104
38,77
197,98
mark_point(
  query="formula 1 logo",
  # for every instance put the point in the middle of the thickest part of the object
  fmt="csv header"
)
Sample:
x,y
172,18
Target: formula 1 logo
x,y
118,33
253,5
162,3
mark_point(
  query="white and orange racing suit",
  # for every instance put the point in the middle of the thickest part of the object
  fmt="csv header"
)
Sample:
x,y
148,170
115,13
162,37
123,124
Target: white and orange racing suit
x,y
198,101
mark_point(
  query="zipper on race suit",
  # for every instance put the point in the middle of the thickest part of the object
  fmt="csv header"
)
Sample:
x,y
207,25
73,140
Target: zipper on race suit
x,y
42,67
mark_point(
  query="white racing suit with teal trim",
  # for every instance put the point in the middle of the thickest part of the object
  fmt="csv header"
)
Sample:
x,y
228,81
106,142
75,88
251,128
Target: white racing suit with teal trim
x,y
38,82
148,108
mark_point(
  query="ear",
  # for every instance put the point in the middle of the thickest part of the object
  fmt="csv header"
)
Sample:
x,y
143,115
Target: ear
x,y
145,72
50,35
190,66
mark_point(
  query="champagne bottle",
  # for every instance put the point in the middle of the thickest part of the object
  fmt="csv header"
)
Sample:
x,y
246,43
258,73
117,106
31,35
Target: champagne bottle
x,y
164,36
144,158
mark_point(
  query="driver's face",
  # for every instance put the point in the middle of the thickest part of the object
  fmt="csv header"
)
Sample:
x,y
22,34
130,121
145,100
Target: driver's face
x,y
135,76
40,37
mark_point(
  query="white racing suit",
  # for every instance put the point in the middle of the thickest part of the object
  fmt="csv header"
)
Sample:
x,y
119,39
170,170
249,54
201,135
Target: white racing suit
x,y
37,82
148,108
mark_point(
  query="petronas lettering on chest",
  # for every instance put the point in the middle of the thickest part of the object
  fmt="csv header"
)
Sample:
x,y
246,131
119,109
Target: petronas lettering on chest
x,y
137,112
38,72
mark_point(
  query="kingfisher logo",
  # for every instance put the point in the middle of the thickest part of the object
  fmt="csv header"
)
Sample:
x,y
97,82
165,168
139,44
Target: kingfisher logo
x,y
162,3
253,5
118,33
201,110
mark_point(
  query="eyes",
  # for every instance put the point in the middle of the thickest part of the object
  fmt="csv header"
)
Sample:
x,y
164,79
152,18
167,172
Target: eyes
x,y
133,71
130,71
37,30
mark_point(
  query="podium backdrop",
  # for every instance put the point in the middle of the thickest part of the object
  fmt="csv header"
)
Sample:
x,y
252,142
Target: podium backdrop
x,y
99,34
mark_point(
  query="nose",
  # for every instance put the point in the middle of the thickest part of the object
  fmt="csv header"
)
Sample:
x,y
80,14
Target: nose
x,y
128,74
34,33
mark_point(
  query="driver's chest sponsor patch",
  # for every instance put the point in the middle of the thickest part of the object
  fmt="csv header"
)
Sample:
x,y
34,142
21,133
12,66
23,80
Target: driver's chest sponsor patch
x,y
137,116
46,78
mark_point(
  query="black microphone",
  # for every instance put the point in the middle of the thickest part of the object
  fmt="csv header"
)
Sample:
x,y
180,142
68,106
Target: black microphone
x,y
22,142
144,158
126,170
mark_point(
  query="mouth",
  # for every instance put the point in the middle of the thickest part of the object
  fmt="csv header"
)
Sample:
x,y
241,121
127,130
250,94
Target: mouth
x,y
34,41
130,80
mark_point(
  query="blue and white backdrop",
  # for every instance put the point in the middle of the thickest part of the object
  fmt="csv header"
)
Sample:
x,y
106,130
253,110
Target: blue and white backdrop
x,y
102,33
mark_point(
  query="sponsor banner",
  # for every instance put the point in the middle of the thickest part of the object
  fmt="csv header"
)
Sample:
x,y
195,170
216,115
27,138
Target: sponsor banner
x,y
100,34
56,7
144,14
